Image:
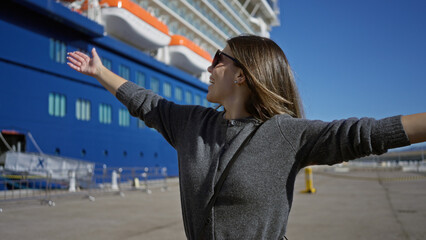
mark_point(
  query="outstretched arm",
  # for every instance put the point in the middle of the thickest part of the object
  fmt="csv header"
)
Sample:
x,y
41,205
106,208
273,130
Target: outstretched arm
x,y
170,119
415,127
93,67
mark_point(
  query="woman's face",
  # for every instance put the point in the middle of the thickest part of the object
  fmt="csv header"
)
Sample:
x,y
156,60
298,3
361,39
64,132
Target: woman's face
x,y
223,75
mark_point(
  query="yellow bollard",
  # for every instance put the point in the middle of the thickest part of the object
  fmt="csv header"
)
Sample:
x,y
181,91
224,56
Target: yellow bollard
x,y
309,181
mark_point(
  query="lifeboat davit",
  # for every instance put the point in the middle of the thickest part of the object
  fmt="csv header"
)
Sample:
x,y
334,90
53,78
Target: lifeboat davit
x,y
188,56
131,23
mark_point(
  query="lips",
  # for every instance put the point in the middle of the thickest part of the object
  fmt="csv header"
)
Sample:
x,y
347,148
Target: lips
x,y
211,80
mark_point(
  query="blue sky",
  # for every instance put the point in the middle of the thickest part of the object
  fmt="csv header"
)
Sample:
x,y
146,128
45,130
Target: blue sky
x,y
356,58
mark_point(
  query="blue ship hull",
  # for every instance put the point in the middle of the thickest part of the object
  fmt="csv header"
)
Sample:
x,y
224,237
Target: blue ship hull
x,y
39,93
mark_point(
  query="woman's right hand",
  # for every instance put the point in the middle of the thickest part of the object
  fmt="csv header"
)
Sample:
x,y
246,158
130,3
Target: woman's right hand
x,y
94,68
84,64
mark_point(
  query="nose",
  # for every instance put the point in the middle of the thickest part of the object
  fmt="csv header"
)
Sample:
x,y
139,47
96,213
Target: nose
x,y
210,69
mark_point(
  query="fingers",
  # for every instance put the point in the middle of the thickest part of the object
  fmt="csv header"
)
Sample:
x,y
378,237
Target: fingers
x,y
74,66
76,60
73,61
83,63
79,56
82,55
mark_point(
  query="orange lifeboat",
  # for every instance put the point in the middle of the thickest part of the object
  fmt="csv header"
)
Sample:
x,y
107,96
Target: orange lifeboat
x,y
188,56
131,23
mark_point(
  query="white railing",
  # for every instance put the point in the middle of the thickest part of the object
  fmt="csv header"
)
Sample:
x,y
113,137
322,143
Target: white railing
x,y
16,186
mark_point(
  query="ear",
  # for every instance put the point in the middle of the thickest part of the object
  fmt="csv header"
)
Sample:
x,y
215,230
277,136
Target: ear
x,y
241,78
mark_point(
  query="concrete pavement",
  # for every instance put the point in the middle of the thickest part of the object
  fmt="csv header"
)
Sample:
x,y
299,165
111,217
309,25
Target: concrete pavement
x,y
360,205
356,205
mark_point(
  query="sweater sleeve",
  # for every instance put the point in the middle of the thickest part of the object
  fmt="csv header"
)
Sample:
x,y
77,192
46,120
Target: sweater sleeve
x,y
165,116
318,142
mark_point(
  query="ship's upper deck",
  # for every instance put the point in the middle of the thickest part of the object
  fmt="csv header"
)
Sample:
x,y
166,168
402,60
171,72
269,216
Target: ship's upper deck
x,y
203,26
209,23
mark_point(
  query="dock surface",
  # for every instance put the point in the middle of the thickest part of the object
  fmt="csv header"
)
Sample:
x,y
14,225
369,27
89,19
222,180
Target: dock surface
x,y
352,206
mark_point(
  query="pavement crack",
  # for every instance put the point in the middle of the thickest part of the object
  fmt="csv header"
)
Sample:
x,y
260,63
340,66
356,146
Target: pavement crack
x,y
394,211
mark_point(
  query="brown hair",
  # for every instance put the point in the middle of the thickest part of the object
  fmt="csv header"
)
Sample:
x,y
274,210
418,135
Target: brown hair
x,y
268,76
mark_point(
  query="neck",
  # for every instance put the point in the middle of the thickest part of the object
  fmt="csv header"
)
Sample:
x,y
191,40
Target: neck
x,y
229,116
235,105
236,110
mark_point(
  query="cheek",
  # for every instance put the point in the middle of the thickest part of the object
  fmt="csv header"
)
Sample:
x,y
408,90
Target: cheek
x,y
218,92
222,88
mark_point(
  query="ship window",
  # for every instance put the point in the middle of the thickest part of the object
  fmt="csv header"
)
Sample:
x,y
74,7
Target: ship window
x,y
140,79
125,153
188,97
57,151
83,152
106,152
167,89
123,117
107,63
82,109
141,124
178,94
124,71
105,113
57,50
141,154
197,99
155,85
57,104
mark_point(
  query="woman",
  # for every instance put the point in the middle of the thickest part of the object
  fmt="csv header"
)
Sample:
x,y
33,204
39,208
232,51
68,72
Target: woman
x,y
252,80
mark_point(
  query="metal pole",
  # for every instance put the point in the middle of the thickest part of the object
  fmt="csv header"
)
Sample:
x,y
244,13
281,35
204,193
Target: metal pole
x,y
104,174
164,173
145,176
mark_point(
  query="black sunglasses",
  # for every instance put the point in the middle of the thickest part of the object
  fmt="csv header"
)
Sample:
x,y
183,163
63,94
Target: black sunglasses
x,y
216,59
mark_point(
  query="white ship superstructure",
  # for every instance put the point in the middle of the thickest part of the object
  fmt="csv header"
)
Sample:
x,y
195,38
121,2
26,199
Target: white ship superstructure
x,y
182,33
209,23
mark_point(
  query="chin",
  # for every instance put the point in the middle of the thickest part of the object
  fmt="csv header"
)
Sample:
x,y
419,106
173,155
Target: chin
x,y
211,98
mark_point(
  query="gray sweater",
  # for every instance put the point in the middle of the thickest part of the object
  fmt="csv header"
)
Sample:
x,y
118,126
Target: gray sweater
x,y
256,197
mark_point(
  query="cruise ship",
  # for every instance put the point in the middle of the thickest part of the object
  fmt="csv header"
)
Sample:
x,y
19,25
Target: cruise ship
x,y
51,115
